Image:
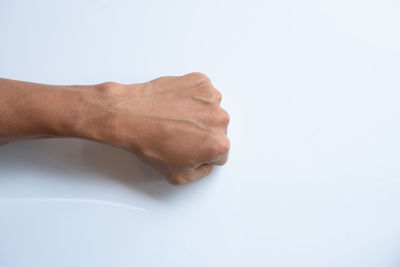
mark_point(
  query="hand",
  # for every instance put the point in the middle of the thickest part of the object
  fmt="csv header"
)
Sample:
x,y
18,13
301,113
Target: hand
x,y
174,124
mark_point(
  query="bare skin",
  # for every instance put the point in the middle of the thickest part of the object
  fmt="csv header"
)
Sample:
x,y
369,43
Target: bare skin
x,y
174,124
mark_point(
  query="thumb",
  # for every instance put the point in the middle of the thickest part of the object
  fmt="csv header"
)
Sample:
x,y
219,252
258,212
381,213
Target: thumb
x,y
192,175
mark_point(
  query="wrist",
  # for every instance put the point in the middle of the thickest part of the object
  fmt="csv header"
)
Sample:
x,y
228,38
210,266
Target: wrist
x,y
97,113
81,112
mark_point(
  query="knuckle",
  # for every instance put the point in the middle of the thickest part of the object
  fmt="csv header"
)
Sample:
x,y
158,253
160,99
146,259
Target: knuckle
x,y
225,145
200,80
224,117
220,146
199,76
217,95
206,90
214,112
218,116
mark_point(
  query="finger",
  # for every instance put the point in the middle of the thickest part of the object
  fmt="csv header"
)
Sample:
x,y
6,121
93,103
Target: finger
x,y
201,171
215,148
192,174
220,161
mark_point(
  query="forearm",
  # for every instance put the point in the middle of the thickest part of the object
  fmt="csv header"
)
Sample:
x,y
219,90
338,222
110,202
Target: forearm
x,y
31,110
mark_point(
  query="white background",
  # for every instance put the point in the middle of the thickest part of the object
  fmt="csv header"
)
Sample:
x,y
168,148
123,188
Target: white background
x,y
313,179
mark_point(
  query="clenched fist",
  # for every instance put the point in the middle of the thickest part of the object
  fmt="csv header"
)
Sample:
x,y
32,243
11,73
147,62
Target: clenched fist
x,y
174,124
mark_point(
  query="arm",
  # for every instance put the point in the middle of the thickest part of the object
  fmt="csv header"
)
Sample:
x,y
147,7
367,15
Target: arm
x,y
174,124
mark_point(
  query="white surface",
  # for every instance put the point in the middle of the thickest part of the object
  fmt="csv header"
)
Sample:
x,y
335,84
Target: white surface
x,y
313,178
